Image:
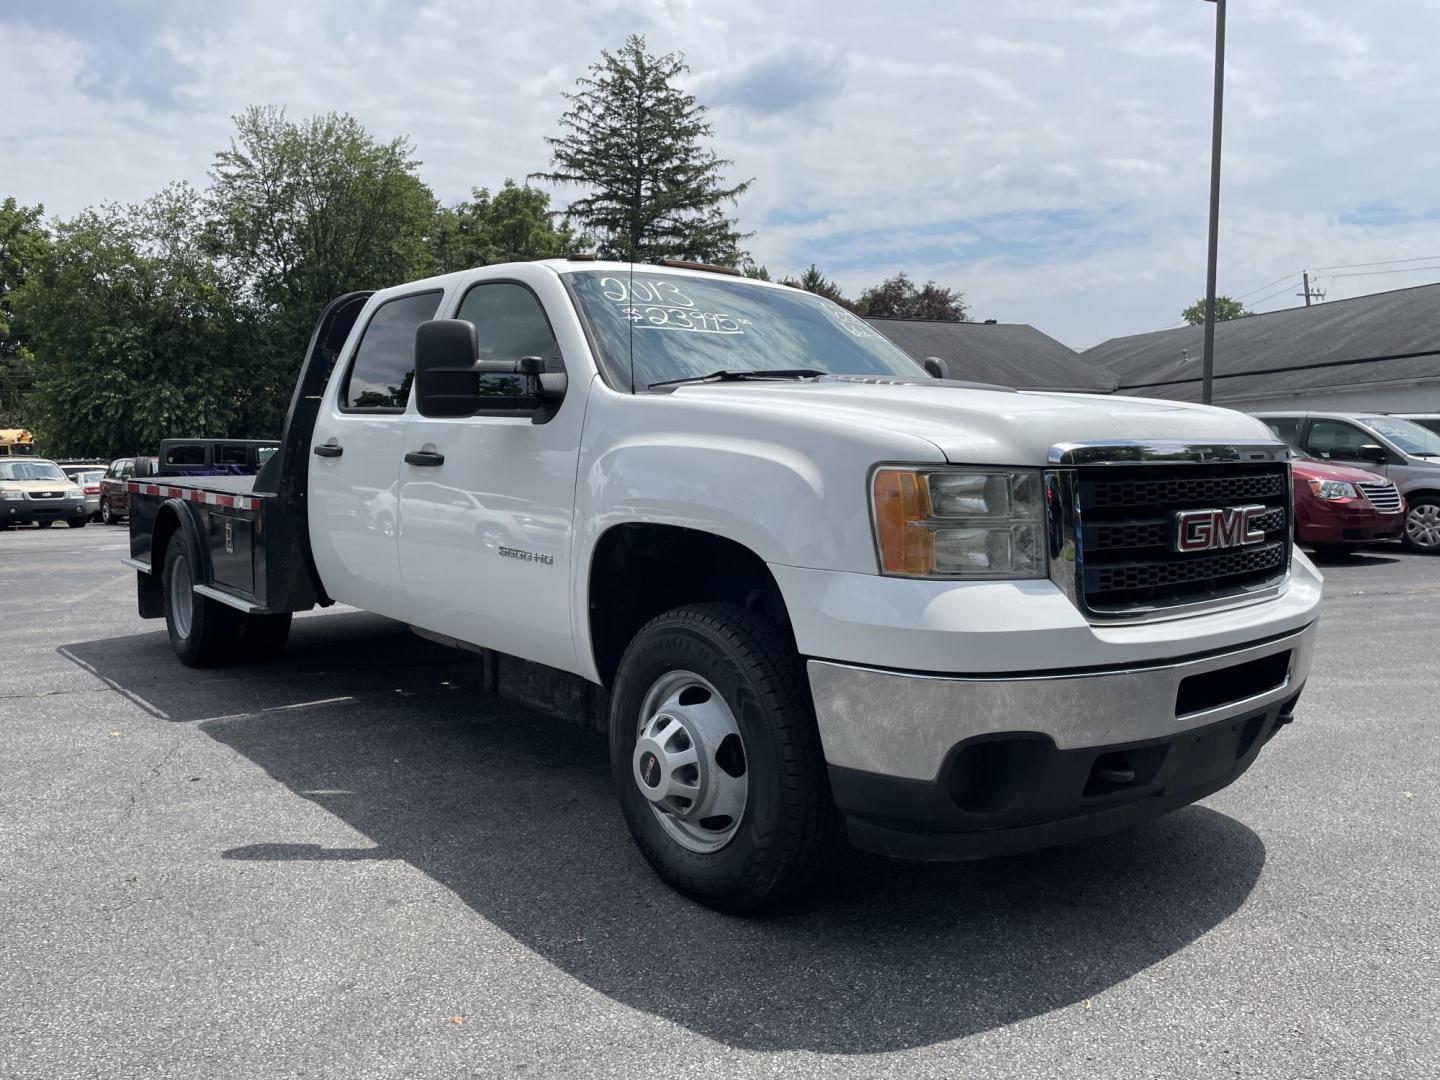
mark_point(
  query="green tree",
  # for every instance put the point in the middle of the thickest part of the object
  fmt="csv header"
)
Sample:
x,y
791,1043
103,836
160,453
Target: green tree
x,y
633,140
23,244
812,280
1225,309
302,212
136,332
899,298
513,225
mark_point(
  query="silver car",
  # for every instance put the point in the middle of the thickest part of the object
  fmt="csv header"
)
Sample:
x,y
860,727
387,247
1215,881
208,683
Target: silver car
x,y
1402,451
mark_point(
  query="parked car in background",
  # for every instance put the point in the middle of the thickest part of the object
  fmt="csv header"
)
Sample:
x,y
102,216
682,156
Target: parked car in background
x,y
1429,421
1338,507
1403,452
88,477
35,491
114,496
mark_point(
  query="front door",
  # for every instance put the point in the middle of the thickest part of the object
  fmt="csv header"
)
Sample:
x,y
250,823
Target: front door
x,y
486,510
355,459
1340,441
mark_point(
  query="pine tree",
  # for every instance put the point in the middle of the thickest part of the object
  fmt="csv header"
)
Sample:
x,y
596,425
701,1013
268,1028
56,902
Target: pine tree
x,y
812,280
634,140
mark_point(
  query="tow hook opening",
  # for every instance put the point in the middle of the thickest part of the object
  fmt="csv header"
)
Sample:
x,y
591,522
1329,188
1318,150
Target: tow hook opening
x,y
1122,769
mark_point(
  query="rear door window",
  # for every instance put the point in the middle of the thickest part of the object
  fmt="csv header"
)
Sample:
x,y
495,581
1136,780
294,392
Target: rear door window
x,y
384,364
1287,429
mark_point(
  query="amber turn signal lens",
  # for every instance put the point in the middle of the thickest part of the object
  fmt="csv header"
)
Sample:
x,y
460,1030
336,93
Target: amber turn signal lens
x,y
902,505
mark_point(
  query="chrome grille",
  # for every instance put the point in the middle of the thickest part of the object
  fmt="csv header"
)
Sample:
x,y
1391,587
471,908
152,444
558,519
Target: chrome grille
x,y
1385,496
1126,557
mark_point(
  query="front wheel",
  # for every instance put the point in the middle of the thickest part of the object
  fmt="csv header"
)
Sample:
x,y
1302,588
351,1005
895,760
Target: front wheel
x,y
1422,525
717,759
43,524
78,523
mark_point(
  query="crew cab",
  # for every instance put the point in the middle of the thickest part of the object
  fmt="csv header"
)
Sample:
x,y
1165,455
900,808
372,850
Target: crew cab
x,y
814,591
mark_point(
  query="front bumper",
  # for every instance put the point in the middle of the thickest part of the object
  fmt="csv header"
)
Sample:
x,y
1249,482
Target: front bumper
x,y
29,512
1341,525
934,766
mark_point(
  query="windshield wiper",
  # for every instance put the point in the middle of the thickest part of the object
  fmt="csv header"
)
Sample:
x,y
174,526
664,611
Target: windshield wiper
x,y
724,375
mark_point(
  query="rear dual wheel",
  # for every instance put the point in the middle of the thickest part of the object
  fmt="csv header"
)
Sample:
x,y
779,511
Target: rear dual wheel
x,y
203,631
717,759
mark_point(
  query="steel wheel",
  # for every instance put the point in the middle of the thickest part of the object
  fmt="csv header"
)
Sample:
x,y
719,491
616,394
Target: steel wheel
x,y
1422,525
182,597
689,761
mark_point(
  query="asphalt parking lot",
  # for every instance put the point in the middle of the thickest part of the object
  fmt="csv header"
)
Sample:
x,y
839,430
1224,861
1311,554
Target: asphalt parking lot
x,y
351,863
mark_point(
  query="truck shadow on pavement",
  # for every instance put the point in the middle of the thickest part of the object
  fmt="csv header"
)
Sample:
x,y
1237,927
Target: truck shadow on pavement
x,y
514,814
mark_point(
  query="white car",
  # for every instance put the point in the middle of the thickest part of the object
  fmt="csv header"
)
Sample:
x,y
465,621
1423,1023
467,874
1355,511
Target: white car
x,y
813,591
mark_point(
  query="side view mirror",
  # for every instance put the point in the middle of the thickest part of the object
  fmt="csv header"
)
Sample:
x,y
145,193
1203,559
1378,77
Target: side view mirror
x,y
937,366
447,371
1372,452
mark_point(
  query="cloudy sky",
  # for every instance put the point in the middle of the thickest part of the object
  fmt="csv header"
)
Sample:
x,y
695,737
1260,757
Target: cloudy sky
x,y
1048,158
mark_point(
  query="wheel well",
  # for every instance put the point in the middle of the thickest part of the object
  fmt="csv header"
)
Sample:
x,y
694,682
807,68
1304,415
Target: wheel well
x,y
166,522
1427,493
639,571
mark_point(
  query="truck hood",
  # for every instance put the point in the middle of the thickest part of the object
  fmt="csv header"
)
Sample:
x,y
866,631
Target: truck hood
x,y
983,427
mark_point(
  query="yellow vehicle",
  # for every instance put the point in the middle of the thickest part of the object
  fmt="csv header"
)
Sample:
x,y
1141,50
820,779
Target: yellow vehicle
x,y
14,442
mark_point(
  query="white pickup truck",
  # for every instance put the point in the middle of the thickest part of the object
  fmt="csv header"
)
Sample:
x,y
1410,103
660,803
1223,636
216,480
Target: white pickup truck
x,y
813,590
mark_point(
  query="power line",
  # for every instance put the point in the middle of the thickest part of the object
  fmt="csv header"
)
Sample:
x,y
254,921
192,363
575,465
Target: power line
x,y
1274,294
1287,279
1371,273
1383,262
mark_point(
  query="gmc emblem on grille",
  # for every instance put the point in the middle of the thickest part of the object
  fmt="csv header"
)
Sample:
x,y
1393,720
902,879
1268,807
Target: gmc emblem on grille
x,y
1210,530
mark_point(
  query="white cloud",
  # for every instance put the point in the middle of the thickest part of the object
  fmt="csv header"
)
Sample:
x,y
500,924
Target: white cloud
x,y
1051,161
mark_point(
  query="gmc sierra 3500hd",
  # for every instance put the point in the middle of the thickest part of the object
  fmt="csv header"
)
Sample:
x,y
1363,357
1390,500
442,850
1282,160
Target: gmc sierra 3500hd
x,y
811,588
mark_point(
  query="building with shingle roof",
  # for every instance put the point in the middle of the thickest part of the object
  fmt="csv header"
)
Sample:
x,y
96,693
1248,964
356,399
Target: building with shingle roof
x,y
1370,353
1012,354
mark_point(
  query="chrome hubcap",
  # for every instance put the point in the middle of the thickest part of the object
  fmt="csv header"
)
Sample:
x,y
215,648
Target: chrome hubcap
x,y
1422,525
689,761
182,598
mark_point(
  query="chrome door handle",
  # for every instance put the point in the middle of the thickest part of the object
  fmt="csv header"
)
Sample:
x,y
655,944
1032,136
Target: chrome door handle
x,y
424,457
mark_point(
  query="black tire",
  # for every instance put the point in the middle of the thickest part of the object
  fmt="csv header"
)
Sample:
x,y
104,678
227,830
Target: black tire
x,y
263,637
78,523
1430,506
107,515
790,828
43,524
214,630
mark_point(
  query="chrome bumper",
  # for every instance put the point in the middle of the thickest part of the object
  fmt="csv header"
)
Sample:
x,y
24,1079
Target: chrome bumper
x,y
902,724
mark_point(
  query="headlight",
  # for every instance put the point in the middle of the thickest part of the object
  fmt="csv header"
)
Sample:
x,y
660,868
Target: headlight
x,y
1333,489
959,523
75,494
11,493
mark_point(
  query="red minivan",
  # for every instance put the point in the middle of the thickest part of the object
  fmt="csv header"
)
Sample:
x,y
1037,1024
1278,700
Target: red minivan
x,y
1338,507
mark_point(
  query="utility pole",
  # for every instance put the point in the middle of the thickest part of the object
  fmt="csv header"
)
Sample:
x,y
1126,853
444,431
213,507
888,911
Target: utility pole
x,y
1209,367
1308,293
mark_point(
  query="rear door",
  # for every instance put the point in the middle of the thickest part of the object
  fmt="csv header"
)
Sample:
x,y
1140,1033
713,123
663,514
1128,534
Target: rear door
x,y
485,533
355,457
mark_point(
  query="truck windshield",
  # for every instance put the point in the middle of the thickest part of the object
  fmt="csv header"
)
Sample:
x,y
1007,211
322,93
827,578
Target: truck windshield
x,y
684,326
1410,437
30,470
